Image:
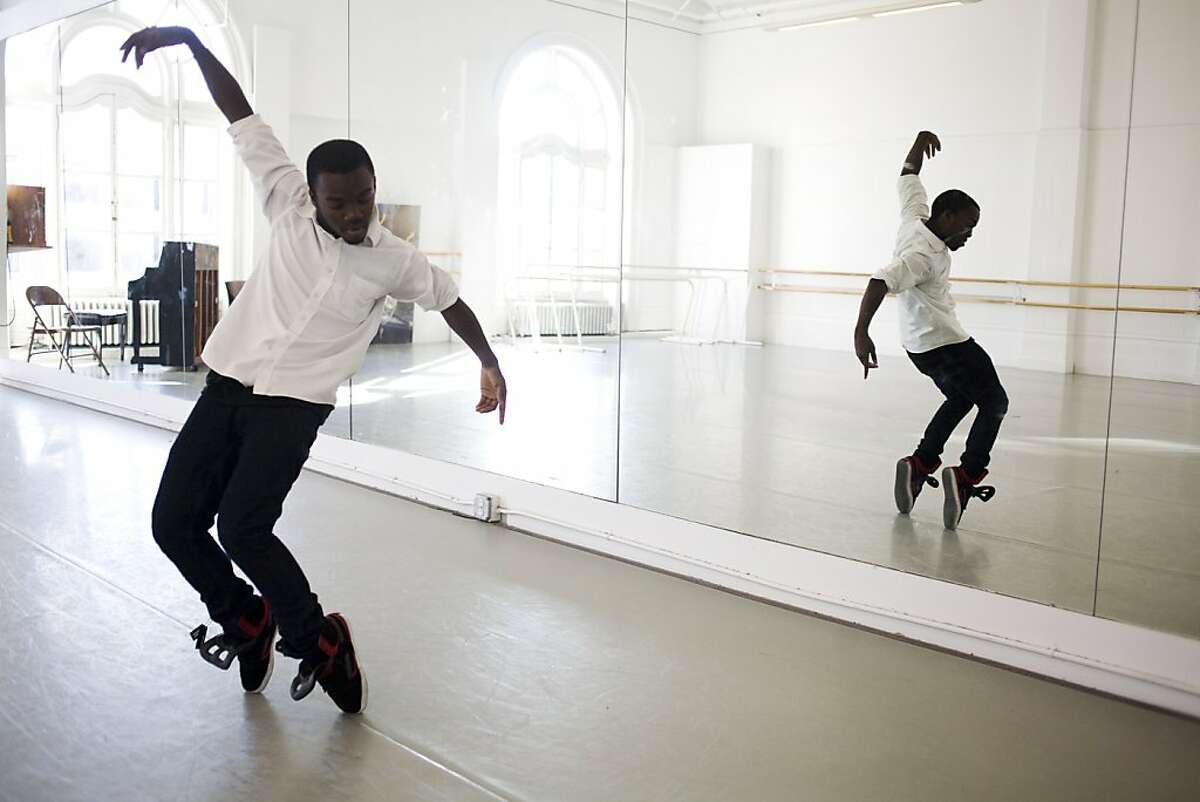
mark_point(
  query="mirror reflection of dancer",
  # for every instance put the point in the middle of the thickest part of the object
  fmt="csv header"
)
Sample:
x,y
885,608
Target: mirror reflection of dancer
x,y
919,275
300,327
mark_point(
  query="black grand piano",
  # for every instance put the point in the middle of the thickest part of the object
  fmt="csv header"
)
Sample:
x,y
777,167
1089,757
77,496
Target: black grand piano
x,y
185,286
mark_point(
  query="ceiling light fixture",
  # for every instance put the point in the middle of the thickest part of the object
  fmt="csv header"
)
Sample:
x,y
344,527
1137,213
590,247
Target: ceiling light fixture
x,y
818,23
907,8
914,9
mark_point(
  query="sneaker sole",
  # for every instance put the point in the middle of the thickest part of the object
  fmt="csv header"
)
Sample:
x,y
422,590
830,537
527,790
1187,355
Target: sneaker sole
x,y
904,497
952,509
361,673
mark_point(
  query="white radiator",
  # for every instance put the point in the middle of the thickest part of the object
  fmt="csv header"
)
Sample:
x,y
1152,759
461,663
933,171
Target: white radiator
x,y
546,319
111,335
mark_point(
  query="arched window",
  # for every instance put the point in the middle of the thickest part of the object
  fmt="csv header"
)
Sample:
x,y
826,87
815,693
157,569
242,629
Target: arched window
x,y
129,157
560,163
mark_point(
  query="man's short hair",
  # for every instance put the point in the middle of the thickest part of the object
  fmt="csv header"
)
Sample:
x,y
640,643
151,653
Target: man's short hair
x,y
953,201
339,156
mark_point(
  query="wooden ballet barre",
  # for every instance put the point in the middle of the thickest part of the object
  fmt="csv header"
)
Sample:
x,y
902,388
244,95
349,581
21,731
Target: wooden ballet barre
x,y
980,299
1006,281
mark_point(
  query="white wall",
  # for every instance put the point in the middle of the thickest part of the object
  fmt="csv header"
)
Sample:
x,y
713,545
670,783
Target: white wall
x,y
1162,202
1031,98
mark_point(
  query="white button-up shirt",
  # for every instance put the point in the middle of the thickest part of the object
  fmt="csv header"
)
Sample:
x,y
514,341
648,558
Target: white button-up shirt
x,y
302,322
919,274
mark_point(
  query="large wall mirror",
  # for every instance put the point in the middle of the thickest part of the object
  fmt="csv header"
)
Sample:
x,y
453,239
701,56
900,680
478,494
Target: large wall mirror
x,y
666,215
743,404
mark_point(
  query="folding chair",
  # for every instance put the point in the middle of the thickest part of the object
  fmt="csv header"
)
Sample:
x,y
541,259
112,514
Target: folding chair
x,y
62,337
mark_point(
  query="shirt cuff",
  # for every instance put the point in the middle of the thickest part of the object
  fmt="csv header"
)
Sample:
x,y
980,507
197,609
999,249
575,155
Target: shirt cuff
x,y
246,122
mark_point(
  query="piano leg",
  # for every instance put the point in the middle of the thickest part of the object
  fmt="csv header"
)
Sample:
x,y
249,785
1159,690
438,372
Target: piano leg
x,y
137,335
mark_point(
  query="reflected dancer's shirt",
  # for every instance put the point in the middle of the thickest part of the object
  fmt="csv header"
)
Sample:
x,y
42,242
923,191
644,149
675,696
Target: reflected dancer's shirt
x,y
919,275
302,322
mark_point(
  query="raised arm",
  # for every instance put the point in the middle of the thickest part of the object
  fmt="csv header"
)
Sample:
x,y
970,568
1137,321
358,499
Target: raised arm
x,y
221,85
926,146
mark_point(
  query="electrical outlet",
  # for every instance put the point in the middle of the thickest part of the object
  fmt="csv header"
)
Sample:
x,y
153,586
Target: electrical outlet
x,y
487,508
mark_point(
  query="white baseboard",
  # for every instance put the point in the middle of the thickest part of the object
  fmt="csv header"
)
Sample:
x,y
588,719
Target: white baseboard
x,y
1142,665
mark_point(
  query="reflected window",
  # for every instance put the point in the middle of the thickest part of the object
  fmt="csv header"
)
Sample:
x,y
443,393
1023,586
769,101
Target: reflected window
x,y
129,157
560,166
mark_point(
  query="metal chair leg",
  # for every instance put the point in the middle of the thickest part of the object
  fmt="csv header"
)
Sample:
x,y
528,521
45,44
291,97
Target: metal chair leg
x,y
91,338
64,357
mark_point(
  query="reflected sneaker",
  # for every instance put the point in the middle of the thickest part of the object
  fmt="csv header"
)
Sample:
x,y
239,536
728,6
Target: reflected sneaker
x,y
333,664
960,488
911,477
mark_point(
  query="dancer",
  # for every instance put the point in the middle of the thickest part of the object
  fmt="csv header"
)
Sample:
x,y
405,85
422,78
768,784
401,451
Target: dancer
x,y
300,327
919,275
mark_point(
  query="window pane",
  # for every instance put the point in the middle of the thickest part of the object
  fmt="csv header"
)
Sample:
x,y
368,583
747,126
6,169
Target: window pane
x,y
535,239
89,258
535,182
566,183
87,139
139,203
200,205
593,188
565,236
200,152
139,144
137,252
88,200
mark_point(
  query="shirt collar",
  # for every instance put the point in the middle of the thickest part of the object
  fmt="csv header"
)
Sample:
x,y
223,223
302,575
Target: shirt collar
x,y
933,239
374,228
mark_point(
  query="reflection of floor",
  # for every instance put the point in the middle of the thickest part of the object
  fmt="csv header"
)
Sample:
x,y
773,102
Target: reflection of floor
x,y
560,431
791,444
500,666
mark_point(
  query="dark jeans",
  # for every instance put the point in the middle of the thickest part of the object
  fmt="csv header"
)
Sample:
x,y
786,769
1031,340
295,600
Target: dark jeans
x,y
235,459
966,376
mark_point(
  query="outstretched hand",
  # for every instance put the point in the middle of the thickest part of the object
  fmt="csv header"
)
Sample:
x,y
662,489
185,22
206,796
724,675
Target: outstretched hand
x,y
864,348
148,40
493,392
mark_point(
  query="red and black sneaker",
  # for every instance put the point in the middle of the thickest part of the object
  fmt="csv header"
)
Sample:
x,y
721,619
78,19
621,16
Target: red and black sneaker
x,y
960,487
911,477
333,664
256,660
249,639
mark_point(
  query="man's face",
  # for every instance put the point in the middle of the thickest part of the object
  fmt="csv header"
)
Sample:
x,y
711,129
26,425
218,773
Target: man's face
x,y
960,226
345,203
